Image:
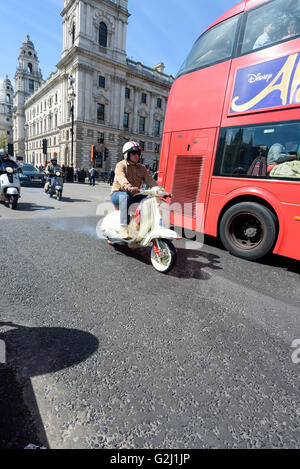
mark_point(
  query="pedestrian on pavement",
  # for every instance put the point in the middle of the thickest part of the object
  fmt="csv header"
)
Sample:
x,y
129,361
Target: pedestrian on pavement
x,y
111,176
92,175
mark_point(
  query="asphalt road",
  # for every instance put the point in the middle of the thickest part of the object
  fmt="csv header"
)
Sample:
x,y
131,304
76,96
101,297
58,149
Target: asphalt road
x,y
101,351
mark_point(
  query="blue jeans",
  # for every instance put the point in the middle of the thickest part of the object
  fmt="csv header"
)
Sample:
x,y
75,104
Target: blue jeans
x,y
123,200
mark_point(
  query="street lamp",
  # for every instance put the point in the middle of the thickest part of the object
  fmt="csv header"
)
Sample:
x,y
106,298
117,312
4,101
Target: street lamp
x,y
72,96
26,128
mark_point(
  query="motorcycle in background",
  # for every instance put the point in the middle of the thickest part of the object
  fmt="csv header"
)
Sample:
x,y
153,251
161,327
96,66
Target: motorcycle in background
x,y
55,185
10,186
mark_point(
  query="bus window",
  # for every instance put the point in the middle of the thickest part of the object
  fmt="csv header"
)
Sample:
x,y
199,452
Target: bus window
x,y
213,46
276,21
259,151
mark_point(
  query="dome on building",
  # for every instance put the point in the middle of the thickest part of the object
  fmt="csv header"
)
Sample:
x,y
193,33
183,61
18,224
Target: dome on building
x,y
28,43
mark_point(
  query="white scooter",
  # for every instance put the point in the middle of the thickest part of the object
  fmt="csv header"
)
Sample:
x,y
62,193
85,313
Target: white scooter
x,y
146,229
10,186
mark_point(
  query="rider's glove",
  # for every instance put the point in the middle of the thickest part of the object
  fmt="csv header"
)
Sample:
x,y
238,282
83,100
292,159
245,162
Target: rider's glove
x,y
134,190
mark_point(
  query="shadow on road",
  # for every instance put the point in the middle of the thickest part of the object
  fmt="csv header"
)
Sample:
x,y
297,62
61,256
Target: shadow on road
x,y
69,199
31,207
33,351
190,262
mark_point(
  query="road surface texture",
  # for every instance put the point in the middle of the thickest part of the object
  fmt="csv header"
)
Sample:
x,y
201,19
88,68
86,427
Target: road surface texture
x,y
101,351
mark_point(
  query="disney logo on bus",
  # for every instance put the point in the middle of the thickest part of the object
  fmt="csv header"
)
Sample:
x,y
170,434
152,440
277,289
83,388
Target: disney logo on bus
x,y
252,78
266,85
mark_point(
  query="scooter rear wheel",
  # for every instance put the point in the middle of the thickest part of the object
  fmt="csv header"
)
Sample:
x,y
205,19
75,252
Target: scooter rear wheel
x,y
166,260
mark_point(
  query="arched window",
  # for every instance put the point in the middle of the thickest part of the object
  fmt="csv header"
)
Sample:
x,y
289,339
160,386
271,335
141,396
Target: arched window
x,y
29,67
103,35
8,98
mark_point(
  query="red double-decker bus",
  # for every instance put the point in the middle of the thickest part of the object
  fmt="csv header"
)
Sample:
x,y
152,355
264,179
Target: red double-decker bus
x,y
231,142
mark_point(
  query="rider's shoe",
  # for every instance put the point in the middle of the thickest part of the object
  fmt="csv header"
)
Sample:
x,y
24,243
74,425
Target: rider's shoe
x,y
124,233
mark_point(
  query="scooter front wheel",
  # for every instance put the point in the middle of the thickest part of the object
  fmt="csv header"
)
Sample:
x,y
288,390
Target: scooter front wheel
x,y
163,255
13,202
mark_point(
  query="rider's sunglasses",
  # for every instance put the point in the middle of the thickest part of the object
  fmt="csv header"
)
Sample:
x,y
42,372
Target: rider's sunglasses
x,y
135,152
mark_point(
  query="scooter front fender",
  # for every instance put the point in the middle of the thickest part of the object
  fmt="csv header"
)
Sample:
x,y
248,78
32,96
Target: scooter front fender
x,y
159,233
12,191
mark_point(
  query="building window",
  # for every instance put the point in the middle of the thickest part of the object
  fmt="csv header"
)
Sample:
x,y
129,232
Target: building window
x,y
127,93
157,128
142,144
144,98
29,67
103,35
158,102
100,112
101,82
31,85
8,98
126,120
157,148
100,138
73,33
142,124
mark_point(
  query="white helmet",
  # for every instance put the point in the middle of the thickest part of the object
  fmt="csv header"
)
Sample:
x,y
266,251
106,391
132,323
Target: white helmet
x,y
131,146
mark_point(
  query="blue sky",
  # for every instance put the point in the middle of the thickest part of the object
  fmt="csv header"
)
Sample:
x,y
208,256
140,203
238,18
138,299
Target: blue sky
x,y
163,31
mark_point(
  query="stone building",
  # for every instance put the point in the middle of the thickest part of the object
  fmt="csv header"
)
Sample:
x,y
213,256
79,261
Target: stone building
x,y
114,99
6,101
28,78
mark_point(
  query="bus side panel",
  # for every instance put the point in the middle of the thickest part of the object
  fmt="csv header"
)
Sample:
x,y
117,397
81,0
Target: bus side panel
x,y
196,99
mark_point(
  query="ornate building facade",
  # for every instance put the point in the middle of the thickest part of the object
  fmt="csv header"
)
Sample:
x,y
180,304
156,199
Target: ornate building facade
x,y
113,99
6,101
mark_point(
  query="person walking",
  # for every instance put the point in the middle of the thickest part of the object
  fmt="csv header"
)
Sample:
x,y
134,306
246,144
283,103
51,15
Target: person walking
x,y
92,175
111,176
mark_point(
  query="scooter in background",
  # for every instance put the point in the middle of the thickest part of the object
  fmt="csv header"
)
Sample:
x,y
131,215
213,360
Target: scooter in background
x,y
10,186
55,185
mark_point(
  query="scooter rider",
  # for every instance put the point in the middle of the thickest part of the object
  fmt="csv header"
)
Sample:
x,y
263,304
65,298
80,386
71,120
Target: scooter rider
x,y
5,161
129,176
51,169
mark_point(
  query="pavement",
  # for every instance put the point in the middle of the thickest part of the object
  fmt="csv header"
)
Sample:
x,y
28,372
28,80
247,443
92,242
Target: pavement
x,y
104,352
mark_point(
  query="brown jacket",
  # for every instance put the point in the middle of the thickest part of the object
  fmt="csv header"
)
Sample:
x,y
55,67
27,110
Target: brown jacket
x,y
128,174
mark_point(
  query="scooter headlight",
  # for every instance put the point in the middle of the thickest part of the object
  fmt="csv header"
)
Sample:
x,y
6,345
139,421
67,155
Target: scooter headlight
x,y
9,170
57,173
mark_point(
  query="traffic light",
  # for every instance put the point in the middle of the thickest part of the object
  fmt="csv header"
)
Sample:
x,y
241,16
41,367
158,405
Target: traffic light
x,y
93,154
44,146
10,149
105,153
98,156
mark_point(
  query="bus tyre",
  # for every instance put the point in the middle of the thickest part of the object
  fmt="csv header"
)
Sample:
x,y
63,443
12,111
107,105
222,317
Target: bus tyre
x,y
248,230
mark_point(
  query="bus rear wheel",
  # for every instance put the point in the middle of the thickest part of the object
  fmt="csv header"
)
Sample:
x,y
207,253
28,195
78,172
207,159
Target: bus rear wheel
x,y
248,230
